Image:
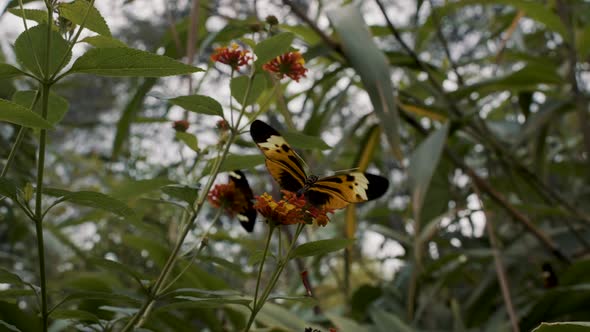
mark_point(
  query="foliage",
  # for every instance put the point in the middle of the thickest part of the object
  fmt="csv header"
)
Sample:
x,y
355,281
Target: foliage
x,y
477,112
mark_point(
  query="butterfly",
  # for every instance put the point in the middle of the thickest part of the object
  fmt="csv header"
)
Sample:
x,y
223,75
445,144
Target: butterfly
x,y
247,214
331,192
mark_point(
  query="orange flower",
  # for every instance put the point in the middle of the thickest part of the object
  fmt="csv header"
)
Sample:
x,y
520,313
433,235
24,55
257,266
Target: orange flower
x,y
180,125
292,209
233,57
226,196
289,64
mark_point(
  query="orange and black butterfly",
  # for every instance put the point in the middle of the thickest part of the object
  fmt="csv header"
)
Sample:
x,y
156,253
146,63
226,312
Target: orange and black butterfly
x,y
247,214
331,192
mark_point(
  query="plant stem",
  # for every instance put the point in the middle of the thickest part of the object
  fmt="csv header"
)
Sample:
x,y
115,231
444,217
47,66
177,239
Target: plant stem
x,y
271,228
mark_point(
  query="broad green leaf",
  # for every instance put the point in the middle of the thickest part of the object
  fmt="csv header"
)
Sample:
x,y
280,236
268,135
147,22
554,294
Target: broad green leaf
x,y
8,71
9,327
39,16
8,188
344,324
103,41
57,106
239,85
234,161
189,139
301,141
563,327
31,50
183,193
388,322
372,66
133,188
78,315
198,104
320,247
76,12
423,163
7,277
99,201
272,47
17,114
123,61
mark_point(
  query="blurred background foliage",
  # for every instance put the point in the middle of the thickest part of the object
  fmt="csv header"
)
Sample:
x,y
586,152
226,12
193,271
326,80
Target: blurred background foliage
x,y
477,112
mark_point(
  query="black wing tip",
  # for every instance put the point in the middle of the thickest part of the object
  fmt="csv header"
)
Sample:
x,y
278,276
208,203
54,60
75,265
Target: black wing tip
x,y
249,225
378,186
261,131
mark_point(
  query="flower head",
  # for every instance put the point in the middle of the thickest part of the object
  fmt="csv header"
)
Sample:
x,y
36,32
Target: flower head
x,y
292,209
289,64
232,56
180,125
228,197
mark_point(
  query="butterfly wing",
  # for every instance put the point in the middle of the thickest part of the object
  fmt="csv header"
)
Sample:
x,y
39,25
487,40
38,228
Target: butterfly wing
x,y
282,162
337,191
247,216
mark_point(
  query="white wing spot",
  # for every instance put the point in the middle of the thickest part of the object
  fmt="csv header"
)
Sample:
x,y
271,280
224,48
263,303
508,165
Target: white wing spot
x,y
273,142
361,184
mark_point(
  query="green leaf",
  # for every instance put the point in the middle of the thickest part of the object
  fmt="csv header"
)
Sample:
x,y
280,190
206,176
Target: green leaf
x,y
563,327
76,12
272,47
7,277
133,188
194,302
57,106
94,295
305,300
103,41
9,326
78,315
39,16
320,247
346,324
300,141
99,201
372,66
423,163
117,267
8,188
198,104
239,85
31,50
189,139
234,161
8,71
123,61
388,322
17,114
183,193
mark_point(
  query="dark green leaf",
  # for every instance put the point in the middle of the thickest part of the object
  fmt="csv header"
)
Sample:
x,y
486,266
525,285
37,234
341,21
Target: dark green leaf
x,y
103,41
388,322
239,85
133,188
198,104
76,12
7,277
8,71
344,324
234,161
31,50
57,106
116,267
321,247
123,61
272,47
17,114
183,193
39,16
9,327
301,141
8,188
563,327
78,315
99,201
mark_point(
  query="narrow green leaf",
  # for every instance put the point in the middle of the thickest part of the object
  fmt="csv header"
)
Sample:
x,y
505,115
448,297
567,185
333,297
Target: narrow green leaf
x,y
99,201
124,311
198,104
103,41
8,188
7,277
234,161
57,107
9,326
563,327
320,247
423,163
93,295
305,300
17,114
183,193
31,50
388,322
194,302
272,47
76,12
189,139
300,141
116,267
39,16
123,61
372,66
78,315
344,324
9,71
239,85
133,188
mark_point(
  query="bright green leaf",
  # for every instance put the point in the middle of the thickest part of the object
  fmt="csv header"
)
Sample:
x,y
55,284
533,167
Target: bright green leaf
x,y
103,41
239,87
123,61
189,139
198,104
8,71
321,247
300,141
76,12
17,114
37,15
57,106
272,47
31,50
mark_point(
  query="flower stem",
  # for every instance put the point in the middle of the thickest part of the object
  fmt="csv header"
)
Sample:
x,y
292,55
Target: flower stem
x,y
270,230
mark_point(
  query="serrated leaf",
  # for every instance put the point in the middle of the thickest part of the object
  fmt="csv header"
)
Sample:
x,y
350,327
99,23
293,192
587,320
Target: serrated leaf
x,y
239,85
31,50
183,193
300,141
99,201
103,41
37,15
272,47
8,71
57,106
78,315
320,247
17,114
123,61
76,12
199,104
563,327
189,139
